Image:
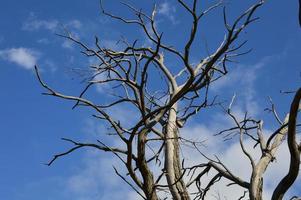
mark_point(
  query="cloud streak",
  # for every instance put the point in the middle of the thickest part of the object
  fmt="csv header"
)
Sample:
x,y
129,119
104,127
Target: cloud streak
x,y
33,23
95,179
23,57
167,10
242,82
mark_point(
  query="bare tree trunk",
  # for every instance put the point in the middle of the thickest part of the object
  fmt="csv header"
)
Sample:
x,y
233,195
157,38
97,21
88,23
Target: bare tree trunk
x,y
256,183
148,178
172,158
267,157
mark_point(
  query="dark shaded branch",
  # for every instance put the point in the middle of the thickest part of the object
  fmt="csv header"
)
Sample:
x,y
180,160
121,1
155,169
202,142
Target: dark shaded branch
x,y
79,145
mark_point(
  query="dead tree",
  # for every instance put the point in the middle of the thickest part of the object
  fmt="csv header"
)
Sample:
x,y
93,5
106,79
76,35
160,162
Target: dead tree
x,y
161,114
253,129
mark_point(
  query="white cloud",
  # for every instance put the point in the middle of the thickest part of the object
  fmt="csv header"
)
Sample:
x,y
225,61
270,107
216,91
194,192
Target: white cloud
x,y
33,23
24,57
94,128
76,24
102,87
232,156
67,44
167,10
230,152
95,179
241,81
50,65
43,41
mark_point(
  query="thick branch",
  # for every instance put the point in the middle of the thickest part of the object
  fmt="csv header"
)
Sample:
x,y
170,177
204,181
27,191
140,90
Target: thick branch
x,y
294,149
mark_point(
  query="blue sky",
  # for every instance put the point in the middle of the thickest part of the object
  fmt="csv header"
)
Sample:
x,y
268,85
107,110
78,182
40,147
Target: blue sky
x,y
32,125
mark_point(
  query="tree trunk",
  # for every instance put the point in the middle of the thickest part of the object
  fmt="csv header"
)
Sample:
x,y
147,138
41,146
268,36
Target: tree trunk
x,y
260,168
172,158
148,178
256,184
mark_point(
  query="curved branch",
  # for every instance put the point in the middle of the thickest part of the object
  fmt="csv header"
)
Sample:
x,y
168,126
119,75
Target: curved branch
x,y
294,149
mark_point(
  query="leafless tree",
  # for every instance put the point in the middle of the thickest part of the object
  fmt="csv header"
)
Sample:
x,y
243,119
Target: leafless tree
x,y
154,137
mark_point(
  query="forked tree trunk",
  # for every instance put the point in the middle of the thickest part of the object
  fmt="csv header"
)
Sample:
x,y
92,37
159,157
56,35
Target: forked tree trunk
x,y
172,158
256,182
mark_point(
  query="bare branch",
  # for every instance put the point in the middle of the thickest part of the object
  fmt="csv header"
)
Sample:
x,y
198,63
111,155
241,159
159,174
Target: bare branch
x,y
294,149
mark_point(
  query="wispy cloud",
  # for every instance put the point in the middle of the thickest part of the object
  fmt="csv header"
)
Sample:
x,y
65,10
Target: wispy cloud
x,y
43,41
66,44
95,179
232,156
50,65
242,81
24,57
76,24
167,10
33,23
